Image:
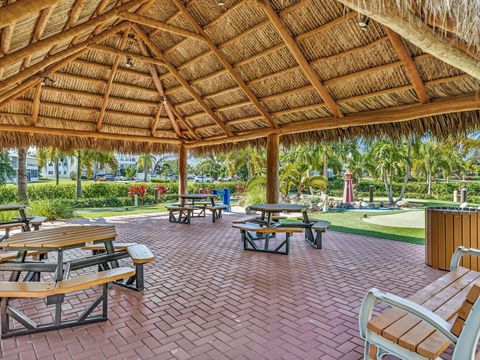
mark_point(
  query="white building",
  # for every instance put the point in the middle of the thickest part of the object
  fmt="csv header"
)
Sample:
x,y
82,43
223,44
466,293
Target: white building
x,y
32,166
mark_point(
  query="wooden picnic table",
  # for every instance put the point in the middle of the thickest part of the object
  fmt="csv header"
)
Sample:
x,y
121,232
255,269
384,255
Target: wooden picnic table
x,y
196,197
58,240
21,221
268,210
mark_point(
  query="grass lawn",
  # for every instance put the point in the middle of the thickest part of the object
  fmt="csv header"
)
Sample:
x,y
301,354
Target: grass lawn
x,y
106,212
53,182
351,222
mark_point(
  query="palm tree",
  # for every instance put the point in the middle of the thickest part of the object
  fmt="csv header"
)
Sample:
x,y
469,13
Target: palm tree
x,y
22,175
87,159
145,162
250,159
51,154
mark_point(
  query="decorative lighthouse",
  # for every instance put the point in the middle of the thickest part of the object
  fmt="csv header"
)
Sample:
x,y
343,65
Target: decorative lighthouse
x,y
348,188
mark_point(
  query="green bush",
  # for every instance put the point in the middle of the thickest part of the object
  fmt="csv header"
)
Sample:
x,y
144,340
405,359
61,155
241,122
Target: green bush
x,y
51,209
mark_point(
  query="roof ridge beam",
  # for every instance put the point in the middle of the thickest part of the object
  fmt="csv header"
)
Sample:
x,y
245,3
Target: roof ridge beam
x,y
158,54
108,89
410,67
65,35
36,103
300,58
418,33
142,20
223,59
115,51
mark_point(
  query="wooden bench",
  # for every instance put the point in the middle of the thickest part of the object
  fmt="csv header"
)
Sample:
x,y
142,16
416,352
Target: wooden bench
x,y
319,228
422,327
54,293
264,233
37,221
181,214
12,255
140,255
245,219
217,212
7,227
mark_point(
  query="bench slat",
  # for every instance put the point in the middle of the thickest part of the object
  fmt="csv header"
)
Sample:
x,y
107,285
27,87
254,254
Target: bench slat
x,y
259,229
140,254
388,317
38,220
12,255
321,225
245,219
87,281
101,247
26,289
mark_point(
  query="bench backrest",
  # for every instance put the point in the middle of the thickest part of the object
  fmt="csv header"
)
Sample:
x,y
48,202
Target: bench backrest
x,y
467,325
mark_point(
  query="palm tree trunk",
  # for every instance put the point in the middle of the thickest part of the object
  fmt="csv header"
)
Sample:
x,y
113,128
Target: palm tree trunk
x,y
22,175
79,174
57,171
429,183
325,165
145,170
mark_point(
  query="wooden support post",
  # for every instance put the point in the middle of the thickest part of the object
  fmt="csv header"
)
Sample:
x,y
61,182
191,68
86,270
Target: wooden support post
x,y
273,151
182,169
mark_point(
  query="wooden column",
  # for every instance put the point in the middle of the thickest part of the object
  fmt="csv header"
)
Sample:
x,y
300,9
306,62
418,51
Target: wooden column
x,y
182,169
273,186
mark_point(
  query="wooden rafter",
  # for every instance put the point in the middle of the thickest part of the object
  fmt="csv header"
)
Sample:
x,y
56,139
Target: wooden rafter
x,y
108,89
59,59
185,122
38,32
18,10
48,42
410,67
36,103
163,100
418,33
123,53
158,54
391,115
300,58
159,25
224,61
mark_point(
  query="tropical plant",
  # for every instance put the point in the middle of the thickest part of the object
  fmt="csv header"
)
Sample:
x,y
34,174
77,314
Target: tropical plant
x,y
51,209
255,192
130,172
145,162
51,154
248,163
6,169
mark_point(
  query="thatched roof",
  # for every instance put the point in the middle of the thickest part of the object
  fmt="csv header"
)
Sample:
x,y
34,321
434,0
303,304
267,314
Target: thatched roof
x,y
149,75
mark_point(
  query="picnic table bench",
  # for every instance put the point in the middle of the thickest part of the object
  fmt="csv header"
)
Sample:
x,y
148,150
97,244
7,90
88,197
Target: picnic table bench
x,y
422,327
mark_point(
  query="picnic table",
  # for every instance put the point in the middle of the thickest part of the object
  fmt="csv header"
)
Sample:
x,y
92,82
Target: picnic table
x,y
58,240
196,197
22,220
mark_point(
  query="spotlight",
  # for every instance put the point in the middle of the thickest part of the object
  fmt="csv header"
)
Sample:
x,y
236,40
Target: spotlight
x,y
363,22
129,63
221,2
47,81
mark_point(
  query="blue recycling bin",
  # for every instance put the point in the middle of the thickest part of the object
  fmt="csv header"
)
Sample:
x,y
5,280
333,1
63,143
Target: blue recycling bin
x,y
225,197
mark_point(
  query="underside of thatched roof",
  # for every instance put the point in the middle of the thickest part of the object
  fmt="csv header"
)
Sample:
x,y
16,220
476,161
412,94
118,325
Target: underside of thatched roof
x,y
150,75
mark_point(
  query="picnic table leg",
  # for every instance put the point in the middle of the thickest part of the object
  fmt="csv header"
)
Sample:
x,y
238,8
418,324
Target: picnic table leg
x,y
15,275
23,215
110,250
308,230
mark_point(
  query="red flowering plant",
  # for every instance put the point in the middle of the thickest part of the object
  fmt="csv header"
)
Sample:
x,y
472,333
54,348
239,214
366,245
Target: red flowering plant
x,y
139,190
161,190
240,189
206,191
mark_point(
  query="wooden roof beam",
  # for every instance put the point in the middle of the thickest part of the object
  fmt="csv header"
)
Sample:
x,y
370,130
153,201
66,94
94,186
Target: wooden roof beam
x,y
65,35
418,33
123,53
300,58
224,61
88,134
36,103
158,54
108,89
391,115
163,99
411,68
59,59
18,10
142,20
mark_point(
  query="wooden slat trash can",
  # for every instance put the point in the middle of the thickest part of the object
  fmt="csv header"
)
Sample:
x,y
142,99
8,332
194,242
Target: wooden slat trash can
x,y
447,228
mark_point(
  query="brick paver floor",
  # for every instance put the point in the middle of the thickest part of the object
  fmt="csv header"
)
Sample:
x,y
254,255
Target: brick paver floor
x,y
206,298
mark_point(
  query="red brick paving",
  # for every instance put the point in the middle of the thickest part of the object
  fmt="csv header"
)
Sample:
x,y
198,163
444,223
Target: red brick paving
x,y
206,298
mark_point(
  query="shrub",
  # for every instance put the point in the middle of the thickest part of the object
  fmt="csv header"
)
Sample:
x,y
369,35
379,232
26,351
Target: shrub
x,y
51,209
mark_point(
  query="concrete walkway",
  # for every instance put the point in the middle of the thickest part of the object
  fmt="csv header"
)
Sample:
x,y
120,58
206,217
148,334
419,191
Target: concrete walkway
x,y
408,219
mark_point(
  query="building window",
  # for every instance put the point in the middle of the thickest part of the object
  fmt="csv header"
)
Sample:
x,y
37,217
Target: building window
x,y
50,172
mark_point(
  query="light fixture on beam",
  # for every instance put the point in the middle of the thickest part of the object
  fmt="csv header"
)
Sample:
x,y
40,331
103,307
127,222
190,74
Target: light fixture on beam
x,y
47,81
221,3
129,63
363,22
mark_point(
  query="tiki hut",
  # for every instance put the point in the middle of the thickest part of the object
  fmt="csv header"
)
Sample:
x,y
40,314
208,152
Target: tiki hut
x,y
208,75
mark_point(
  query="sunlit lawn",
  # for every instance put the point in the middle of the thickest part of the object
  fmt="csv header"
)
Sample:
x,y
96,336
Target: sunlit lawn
x,y
120,211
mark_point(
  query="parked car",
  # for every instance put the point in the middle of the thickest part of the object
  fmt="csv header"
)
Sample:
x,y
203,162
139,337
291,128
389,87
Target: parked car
x,y
203,178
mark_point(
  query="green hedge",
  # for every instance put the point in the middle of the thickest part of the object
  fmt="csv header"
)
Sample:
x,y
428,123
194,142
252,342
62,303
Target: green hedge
x,y
102,191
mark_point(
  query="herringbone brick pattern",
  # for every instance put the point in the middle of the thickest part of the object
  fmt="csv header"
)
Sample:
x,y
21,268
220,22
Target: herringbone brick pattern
x,y
206,298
